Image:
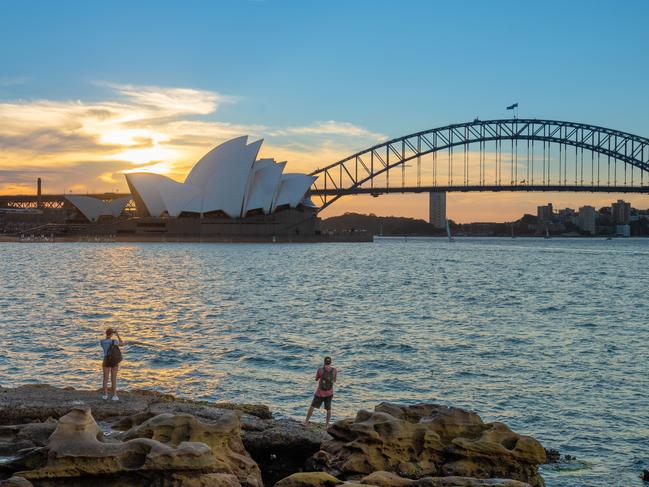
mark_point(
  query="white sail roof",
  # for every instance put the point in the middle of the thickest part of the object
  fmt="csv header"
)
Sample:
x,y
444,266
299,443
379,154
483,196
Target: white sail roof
x,y
265,184
179,197
292,189
145,186
117,205
228,179
306,201
93,208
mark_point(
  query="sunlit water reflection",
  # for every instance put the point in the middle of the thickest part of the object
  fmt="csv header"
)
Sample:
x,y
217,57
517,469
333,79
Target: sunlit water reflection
x,y
547,336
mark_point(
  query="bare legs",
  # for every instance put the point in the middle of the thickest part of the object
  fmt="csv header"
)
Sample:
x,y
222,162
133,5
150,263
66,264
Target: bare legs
x,y
113,379
310,412
112,372
308,415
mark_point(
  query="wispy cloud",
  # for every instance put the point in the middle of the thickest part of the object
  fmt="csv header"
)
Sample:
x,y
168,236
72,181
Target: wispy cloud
x,y
329,128
171,101
163,129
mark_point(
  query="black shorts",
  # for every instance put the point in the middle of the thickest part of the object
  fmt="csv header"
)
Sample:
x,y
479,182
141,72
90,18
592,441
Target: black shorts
x,y
104,363
317,402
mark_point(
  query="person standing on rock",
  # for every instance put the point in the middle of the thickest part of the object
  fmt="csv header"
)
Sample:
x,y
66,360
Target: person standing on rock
x,y
112,358
326,377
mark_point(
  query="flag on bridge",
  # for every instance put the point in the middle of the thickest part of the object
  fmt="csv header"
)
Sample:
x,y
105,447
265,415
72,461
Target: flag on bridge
x,y
511,107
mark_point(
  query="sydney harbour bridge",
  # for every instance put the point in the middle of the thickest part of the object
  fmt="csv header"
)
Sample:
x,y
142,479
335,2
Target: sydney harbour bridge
x,y
493,155
483,155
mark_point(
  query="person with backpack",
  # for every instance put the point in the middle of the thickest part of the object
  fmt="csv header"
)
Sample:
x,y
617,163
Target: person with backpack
x,y
112,358
326,377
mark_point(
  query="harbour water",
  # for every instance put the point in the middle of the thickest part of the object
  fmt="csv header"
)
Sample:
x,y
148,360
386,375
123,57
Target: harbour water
x,y
548,336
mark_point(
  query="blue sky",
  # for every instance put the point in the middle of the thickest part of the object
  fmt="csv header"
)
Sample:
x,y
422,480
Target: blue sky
x,y
386,67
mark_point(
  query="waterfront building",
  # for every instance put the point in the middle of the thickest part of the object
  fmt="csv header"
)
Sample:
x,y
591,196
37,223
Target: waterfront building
x,y
228,181
545,213
623,230
228,195
567,215
437,209
620,212
586,219
95,208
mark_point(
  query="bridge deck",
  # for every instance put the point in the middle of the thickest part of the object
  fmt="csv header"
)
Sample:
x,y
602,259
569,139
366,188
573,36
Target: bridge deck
x,y
480,188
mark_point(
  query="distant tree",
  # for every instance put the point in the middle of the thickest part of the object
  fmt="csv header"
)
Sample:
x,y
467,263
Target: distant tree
x,y
529,219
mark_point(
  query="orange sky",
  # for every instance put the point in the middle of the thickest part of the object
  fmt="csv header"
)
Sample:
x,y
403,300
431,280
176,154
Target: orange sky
x,y
472,207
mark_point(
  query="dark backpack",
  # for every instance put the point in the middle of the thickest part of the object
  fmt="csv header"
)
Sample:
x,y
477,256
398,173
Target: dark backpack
x,y
327,379
114,355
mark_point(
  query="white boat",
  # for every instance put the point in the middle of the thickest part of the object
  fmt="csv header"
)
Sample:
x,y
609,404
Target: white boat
x,y
448,232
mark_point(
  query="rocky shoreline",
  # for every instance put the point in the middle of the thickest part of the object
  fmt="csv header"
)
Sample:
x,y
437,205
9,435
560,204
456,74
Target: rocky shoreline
x,y
53,437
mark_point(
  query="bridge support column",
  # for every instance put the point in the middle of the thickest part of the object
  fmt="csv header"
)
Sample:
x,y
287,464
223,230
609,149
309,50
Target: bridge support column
x,y
437,209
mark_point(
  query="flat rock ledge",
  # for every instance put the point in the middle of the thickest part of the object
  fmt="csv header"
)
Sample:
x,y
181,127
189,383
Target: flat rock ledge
x,y
52,437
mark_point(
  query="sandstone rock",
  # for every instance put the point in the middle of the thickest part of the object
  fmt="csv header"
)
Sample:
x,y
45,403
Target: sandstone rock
x,y
75,450
429,440
281,447
30,435
16,482
387,479
222,436
203,411
205,480
309,479
38,402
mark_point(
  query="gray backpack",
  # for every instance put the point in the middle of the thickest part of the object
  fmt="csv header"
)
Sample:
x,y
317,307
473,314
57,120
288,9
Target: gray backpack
x,y
327,379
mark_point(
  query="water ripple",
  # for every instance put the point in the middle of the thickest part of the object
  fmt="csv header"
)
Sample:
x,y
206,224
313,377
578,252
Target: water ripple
x,y
547,336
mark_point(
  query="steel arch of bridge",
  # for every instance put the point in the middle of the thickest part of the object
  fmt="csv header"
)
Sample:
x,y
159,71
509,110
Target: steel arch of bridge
x,y
347,176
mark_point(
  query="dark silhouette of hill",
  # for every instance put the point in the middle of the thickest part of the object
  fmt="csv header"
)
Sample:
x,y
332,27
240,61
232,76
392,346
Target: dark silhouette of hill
x,y
377,225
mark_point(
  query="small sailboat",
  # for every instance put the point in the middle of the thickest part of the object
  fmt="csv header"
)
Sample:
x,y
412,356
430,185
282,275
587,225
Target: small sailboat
x,y
448,232
547,233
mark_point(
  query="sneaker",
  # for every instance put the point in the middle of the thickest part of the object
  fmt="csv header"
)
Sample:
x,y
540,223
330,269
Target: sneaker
x,y
105,397
114,398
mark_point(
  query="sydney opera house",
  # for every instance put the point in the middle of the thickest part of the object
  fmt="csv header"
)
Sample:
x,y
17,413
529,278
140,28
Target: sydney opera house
x,y
228,193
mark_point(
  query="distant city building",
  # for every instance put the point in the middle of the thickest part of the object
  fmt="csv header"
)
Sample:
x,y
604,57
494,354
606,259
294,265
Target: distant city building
x,y
586,219
621,211
623,230
567,215
437,209
545,213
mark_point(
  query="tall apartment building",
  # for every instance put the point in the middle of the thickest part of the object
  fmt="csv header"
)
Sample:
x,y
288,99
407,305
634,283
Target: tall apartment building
x,y
621,212
586,219
545,213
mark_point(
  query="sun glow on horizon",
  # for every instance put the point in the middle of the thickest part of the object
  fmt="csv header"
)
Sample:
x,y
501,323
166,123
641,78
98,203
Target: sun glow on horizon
x,y
156,154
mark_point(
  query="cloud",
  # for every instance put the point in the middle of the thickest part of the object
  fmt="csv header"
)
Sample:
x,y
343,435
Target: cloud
x,y
171,101
48,140
145,127
332,127
81,176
